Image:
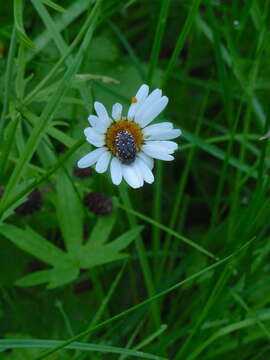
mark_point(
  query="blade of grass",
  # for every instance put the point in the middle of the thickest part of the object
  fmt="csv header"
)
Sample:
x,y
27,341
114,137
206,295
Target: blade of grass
x,y
122,38
162,19
181,40
48,344
18,20
8,80
53,5
60,307
9,141
168,230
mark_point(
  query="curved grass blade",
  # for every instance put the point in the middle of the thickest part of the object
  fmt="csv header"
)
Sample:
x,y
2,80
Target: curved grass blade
x,y
6,344
181,39
18,19
168,230
53,5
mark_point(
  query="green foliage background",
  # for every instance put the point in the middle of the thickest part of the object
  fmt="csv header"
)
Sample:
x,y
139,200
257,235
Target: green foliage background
x,y
180,268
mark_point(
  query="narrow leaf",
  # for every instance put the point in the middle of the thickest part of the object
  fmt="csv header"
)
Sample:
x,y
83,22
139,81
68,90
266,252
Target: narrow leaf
x,y
69,213
47,344
99,257
33,243
36,278
124,240
101,231
53,5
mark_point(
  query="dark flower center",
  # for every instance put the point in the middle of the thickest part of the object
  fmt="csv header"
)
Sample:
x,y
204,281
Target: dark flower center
x,y
125,147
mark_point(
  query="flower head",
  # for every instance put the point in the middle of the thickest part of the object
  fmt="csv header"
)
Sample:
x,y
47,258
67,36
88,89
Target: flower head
x,y
129,144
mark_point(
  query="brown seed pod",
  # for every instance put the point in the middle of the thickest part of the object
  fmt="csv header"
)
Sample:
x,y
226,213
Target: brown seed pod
x,y
98,203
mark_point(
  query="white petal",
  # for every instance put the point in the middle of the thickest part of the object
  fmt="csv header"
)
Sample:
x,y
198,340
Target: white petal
x,y
145,171
148,160
116,171
102,113
130,175
142,92
103,162
163,146
147,103
90,158
92,132
138,172
97,143
153,111
164,135
156,152
100,127
117,111
140,96
156,129
172,134
93,137
93,119
131,111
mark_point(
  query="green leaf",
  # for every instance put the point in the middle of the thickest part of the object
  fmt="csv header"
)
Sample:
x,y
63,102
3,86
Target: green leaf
x,y
102,254
70,213
58,276
124,240
35,278
33,243
101,231
63,274
99,257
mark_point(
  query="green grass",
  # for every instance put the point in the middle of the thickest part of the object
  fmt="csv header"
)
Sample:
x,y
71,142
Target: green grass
x,y
179,269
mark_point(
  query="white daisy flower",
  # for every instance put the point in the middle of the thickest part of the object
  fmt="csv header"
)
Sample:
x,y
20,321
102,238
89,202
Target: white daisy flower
x,y
129,144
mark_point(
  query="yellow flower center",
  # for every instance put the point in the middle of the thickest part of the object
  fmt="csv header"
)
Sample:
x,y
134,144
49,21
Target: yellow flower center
x,y
123,125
